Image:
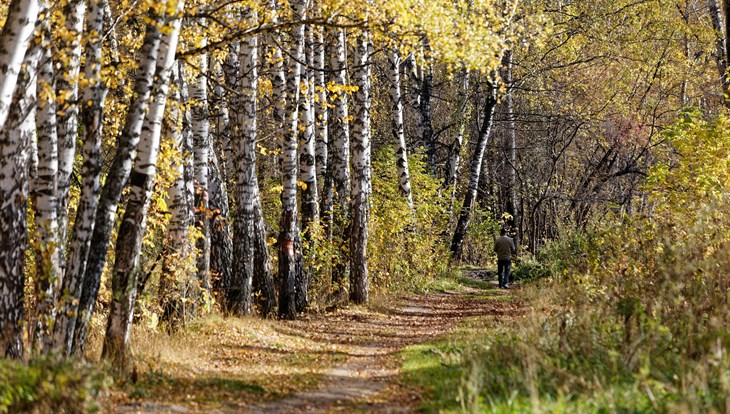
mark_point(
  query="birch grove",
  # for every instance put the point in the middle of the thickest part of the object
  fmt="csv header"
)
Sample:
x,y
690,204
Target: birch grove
x,y
183,161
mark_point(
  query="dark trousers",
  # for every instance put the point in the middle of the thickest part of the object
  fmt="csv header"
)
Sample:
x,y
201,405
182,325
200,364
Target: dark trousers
x,y
503,271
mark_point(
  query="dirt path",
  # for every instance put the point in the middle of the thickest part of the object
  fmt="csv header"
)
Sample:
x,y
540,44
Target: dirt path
x,y
367,379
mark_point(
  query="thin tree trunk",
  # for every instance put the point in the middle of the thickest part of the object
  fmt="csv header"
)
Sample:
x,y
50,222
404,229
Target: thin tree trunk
x,y
175,280
289,230
45,193
142,178
78,248
15,142
14,40
339,165
511,140
361,176
201,145
452,166
67,87
401,156
426,93
475,172
307,169
221,238
116,179
320,109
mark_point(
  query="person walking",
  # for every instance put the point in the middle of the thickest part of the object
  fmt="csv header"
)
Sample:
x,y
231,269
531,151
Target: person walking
x,y
504,246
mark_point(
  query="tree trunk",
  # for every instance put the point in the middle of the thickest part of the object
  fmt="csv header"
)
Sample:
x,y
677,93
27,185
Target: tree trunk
x,y
78,248
320,110
45,194
201,145
452,166
240,297
67,87
14,40
308,169
476,168
511,142
221,239
361,176
401,156
339,165
289,231
15,142
116,179
427,136
177,266
142,178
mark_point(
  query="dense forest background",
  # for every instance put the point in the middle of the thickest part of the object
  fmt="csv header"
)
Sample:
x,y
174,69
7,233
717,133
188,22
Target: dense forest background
x,y
161,162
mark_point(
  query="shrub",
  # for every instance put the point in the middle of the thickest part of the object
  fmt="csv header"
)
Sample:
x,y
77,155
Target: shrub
x,y
634,315
47,384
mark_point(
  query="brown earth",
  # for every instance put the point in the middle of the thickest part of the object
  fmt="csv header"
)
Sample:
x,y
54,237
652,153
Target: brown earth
x,y
352,353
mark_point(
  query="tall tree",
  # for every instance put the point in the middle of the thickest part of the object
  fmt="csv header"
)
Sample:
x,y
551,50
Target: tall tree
x,y
67,91
117,176
490,102
45,194
15,142
401,155
177,263
339,152
14,39
289,265
92,115
142,178
361,177
201,145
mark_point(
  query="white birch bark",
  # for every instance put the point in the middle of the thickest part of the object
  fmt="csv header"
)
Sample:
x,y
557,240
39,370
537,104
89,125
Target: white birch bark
x,y
240,300
339,157
289,230
15,142
131,230
92,113
321,109
401,155
67,90
307,163
174,281
361,175
14,39
45,193
201,138
117,177
475,172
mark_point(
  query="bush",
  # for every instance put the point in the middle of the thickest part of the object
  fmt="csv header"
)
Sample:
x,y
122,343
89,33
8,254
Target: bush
x,y
47,384
634,314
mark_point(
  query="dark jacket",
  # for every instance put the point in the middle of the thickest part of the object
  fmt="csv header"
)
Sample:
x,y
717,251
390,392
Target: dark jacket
x,y
504,247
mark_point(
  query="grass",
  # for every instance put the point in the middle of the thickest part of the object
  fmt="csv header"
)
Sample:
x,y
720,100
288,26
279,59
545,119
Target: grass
x,y
438,368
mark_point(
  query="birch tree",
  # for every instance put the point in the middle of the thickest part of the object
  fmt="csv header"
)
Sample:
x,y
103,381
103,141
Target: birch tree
x,y
14,39
289,266
15,142
67,91
201,145
361,177
117,177
92,114
339,152
45,194
131,230
490,102
174,280
401,155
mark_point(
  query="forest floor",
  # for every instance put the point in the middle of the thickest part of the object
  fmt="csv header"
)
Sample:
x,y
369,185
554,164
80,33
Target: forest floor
x,y
348,360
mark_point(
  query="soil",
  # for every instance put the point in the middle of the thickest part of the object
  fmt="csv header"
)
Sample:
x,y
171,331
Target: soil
x,y
368,378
